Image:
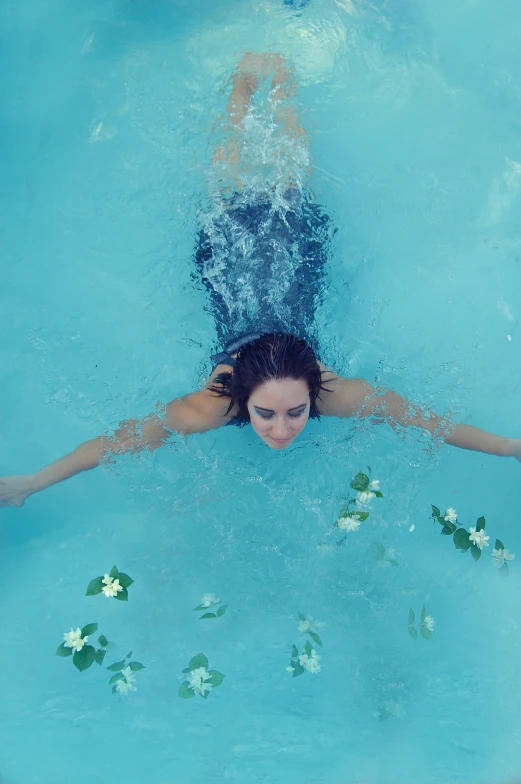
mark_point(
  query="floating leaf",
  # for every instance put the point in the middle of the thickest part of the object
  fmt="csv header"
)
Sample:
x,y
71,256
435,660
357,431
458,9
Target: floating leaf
x,y
125,580
377,493
393,562
480,525
298,669
301,616
117,677
360,482
185,691
129,655
446,531
425,633
199,660
314,636
100,655
114,572
377,551
117,666
200,607
294,652
94,587
114,690
435,511
216,678
308,648
461,539
208,615
222,610
103,641
413,632
136,666
476,552
89,629
499,545
411,616
359,515
122,596
424,613
85,658
63,651
186,669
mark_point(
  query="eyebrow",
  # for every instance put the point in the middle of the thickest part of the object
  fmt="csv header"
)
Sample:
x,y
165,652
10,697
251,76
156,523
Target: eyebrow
x,y
271,411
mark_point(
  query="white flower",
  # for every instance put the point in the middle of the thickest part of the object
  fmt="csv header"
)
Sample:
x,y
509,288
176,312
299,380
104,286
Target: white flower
x,y
450,515
209,599
111,587
128,675
364,497
309,625
411,529
123,687
500,556
290,669
348,523
197,680
73,639
310,663
429,622
374,485
478,538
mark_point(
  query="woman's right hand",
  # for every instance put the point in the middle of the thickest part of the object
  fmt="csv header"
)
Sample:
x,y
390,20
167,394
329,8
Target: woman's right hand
x,y
15,489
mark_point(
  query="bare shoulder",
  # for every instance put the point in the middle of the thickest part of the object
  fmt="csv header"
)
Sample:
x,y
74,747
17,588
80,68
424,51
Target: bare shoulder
x,y
342,396
202,410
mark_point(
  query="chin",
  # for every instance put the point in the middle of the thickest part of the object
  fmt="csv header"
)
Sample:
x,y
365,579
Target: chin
x,y
278,447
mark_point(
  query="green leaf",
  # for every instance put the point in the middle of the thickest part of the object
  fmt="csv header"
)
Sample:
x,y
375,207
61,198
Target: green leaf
x,y
208,615
393,562
411,616
461,539
298,669
435,511
122,596
425,633
359,515
476,552
205,695
216,678
499,545
129,655
480,525
424,613
413,632
85,658
314,636
378,493
63,651
125,580
446,531
117,666
294,652
199,608
186,669
117,677
301,616
308,648
185,691
360,482
114,690
100,655
114,572
103,641
94,587
377,551
222,610
197,661
136,666
89,629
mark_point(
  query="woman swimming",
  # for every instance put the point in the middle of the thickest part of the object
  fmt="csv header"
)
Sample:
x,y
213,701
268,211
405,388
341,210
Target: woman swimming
x,y
261,253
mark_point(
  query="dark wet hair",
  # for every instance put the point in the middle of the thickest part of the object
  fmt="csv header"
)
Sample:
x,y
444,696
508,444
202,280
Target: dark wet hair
x,y
273,356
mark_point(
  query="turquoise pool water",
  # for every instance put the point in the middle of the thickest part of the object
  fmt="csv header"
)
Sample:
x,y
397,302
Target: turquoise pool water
x,y
107,130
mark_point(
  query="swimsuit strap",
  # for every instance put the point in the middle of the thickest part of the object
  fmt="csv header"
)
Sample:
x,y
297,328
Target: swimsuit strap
x,y
224,357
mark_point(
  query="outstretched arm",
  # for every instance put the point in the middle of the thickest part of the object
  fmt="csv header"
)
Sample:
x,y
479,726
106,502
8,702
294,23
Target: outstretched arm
x,y
355,397
194,413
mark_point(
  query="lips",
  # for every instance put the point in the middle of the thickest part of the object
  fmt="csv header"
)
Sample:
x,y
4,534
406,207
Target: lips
x,y
280,440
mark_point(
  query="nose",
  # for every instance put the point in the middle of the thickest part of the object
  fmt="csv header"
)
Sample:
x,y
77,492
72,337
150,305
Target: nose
x,y
280,428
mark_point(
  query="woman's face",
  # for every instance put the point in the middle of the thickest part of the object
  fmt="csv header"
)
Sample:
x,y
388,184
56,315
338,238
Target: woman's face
x,y
279,410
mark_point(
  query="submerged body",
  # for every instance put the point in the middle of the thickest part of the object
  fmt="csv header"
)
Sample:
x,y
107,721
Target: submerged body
x,y
261,252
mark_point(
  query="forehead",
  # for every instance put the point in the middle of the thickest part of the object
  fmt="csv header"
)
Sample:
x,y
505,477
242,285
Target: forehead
x,y
280,394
